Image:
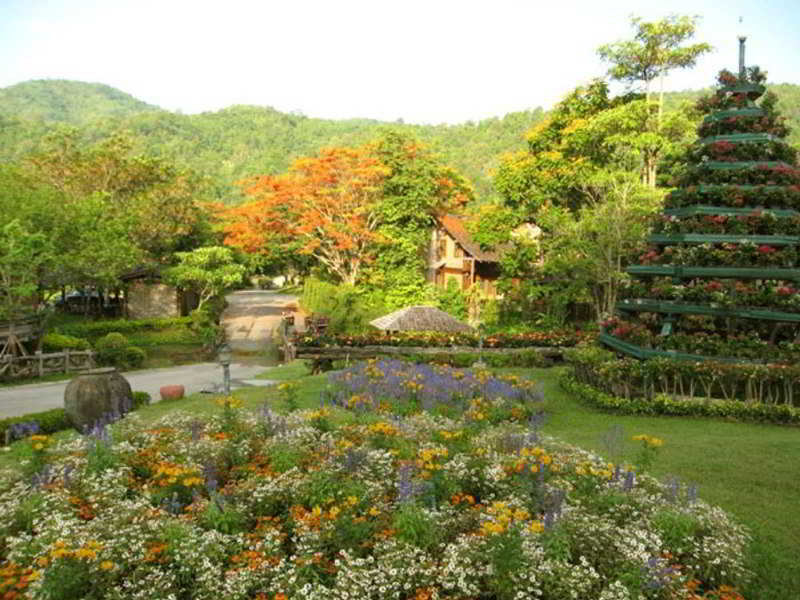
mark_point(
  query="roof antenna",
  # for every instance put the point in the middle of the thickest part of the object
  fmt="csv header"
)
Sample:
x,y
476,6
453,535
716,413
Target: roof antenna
x,y
742,39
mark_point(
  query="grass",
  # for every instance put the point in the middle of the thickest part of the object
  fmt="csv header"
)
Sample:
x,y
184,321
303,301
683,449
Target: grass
x,y
750,470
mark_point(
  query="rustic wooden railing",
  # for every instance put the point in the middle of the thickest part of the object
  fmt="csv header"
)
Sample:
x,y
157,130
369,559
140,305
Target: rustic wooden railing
x,y
40,364
371,351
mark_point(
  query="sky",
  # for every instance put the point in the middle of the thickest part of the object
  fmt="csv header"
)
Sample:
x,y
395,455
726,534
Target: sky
x,y
422,61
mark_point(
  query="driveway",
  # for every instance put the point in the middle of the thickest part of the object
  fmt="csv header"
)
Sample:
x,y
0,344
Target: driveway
x,y
37,397
252,316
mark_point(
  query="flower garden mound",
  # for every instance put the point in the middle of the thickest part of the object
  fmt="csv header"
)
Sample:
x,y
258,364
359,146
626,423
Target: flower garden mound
x,y
383,500
720,278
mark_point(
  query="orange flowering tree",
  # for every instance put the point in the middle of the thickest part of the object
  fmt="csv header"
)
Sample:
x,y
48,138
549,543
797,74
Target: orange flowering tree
x,y
324,206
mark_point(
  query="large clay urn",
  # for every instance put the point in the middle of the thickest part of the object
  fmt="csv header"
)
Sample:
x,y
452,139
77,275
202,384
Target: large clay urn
x,y
95,394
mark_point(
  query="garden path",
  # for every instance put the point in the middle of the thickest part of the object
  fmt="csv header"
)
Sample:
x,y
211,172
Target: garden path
x,y
252,316
36,397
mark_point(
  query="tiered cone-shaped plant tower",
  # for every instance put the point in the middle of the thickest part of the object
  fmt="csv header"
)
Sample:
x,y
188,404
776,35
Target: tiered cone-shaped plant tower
x,y
721,277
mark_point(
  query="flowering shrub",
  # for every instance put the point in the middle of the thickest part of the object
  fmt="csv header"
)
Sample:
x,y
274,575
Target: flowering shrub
x,y
435,339
763,392
383,506
766,196
758,222
758,174
773,294
768,150
725,254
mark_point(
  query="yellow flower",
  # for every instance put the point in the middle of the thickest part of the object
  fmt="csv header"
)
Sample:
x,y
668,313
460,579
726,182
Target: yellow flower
x,y
38,446
106,565
536,527
334,511
374,511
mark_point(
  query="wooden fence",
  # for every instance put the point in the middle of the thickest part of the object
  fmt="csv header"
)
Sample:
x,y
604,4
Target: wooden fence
x,y
347,352
39,364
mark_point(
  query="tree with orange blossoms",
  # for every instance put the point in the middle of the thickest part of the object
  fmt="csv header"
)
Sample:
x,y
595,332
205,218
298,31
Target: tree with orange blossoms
x,y
325,206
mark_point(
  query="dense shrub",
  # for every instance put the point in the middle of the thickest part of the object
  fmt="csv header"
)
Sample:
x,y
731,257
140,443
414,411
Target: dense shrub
x,y
349,310
664,404
46,422
56,342
140,399
97,329
115,350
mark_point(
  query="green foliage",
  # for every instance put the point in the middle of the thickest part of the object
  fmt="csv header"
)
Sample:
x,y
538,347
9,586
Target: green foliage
x,y
96,329
22,255
56,342
237,141
114,349
453,300
49,421
349,308
663,404
209,271
655,50
414,526
69,101
140,399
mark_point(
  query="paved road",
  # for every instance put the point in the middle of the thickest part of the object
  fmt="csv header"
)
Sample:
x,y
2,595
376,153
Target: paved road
x,y
24,399
252,315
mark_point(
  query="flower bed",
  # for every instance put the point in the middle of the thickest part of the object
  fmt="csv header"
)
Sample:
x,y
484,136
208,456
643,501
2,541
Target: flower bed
x,y
432,340
735,196
763,392
466,501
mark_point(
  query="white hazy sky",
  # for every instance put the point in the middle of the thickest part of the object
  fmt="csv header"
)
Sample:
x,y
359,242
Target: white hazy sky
x,y
425,61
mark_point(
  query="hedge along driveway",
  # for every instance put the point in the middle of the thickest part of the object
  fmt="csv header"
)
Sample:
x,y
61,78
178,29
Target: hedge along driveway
x,y
749,469
32,398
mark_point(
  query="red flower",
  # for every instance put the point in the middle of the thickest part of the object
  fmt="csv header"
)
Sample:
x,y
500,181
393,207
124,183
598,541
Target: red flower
x,y
764,249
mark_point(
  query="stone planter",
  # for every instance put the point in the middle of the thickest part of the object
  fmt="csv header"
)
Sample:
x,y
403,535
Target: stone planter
x,y
97,394
171,392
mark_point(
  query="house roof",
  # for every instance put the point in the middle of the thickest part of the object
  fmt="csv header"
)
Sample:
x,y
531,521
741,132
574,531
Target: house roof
x,y
454,225
420,318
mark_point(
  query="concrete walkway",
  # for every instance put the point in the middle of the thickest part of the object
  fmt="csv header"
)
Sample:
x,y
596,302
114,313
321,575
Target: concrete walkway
x,y
252,316
37,397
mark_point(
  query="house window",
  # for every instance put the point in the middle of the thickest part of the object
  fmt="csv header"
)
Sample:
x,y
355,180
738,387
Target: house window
x,y
441,248
458,251
467,281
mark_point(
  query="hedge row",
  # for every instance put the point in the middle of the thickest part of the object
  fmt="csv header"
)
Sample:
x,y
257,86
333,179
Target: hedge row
x,y
56,419
435,339
663,404
629,378
95,329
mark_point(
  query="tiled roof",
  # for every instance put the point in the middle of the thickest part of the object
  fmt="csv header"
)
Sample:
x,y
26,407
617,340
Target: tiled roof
x,y
454,225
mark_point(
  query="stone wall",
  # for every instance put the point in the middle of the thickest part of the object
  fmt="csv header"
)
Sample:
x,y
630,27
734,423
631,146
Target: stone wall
x,y
148,300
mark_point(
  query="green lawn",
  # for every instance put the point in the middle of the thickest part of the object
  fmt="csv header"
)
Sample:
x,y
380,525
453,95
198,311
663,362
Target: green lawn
x,y
750,470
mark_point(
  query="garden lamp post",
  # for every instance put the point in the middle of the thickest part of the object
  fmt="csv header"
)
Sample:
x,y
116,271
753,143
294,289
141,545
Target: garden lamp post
x,y
224,357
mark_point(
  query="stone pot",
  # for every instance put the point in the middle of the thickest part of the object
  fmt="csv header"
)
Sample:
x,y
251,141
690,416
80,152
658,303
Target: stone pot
x,y
97,394
171,392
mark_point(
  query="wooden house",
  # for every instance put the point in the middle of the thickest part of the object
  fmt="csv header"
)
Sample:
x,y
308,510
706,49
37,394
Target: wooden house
x,y
454,256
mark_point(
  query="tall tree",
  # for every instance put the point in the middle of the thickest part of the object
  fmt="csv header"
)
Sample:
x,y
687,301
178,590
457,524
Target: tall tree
x,y
158,201
657,49
325,206
418,186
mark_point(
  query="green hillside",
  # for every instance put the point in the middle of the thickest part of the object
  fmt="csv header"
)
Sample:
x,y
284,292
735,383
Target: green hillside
x,y
73,102
240,141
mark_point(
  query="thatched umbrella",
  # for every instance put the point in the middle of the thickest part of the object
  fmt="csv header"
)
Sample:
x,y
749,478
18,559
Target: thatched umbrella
x,y
420,318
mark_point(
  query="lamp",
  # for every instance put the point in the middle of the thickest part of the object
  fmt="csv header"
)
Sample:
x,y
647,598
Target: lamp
x,y
224,356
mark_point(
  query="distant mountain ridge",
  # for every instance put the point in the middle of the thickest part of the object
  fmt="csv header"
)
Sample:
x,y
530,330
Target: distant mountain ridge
x,y
242,141
64,101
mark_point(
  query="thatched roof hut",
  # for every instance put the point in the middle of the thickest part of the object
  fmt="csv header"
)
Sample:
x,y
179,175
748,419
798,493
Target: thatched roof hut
x,y
420,318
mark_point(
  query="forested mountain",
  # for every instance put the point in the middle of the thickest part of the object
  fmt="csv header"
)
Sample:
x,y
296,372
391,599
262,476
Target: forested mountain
x,y
73,102
240,141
